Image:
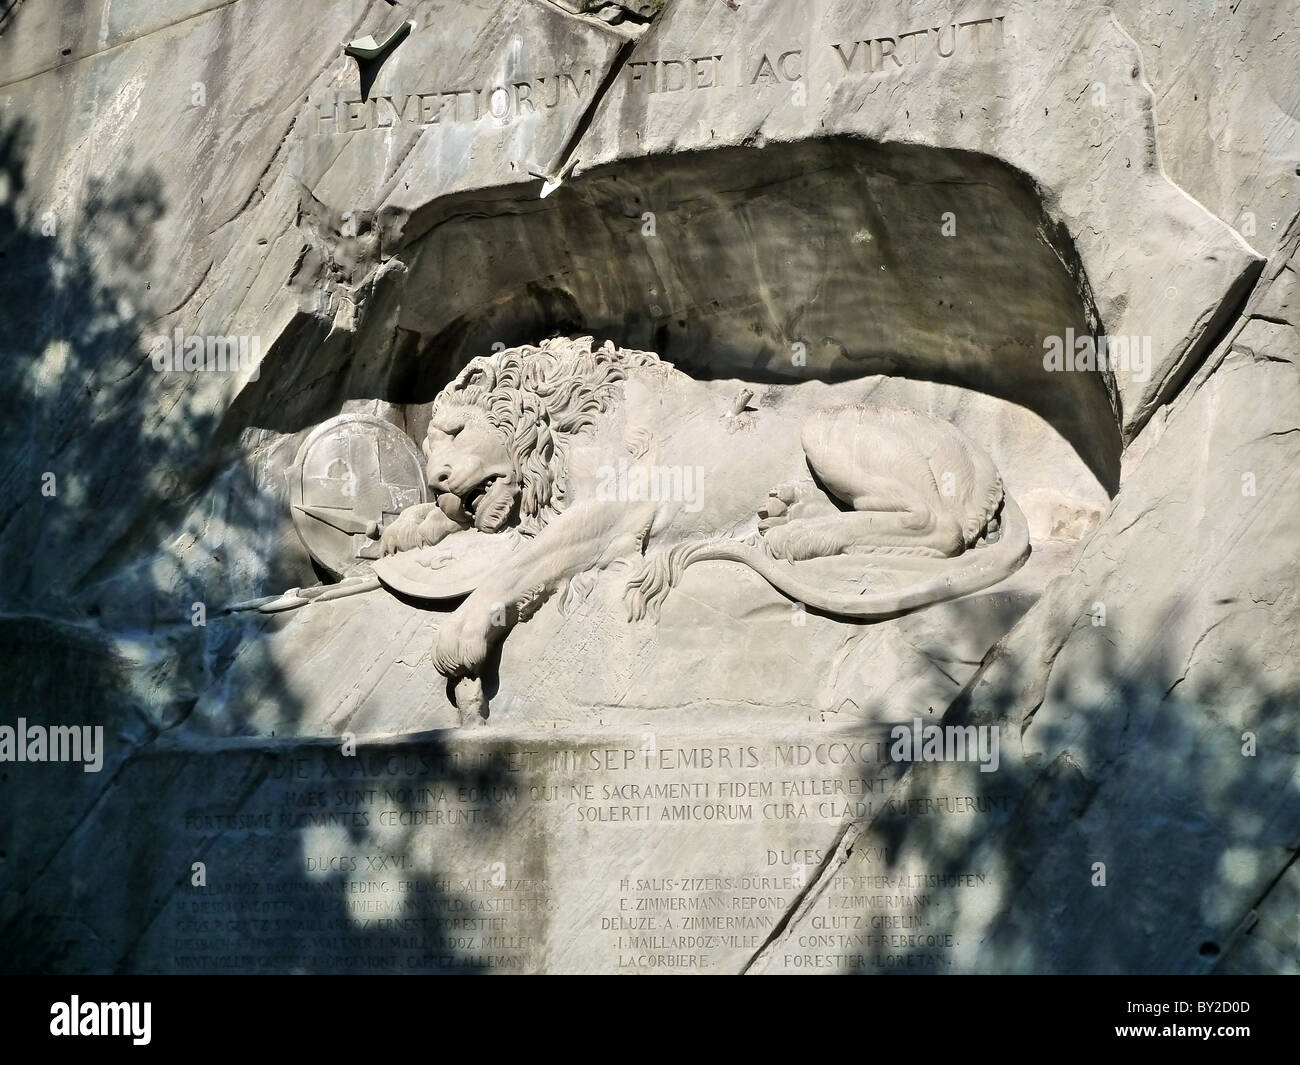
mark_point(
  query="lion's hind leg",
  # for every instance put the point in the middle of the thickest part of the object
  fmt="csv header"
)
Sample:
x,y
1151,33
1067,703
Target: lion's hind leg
x,y
888,515
861,533
792,502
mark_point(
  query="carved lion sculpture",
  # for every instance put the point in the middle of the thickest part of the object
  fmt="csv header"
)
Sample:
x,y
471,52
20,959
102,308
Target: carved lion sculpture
x,y
611,456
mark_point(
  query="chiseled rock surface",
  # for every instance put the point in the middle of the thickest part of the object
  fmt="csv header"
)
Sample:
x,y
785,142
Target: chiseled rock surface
x,y
812,201
1148,712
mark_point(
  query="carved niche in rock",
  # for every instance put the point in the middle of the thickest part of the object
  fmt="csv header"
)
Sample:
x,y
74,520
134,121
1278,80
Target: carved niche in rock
x,y
547,464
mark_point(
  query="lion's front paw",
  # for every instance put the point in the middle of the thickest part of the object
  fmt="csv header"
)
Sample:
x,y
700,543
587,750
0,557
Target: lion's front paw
x,y
403,534
419,526
461,646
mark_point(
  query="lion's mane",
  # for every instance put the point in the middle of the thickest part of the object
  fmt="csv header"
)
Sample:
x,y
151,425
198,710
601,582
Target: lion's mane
x,y
540,398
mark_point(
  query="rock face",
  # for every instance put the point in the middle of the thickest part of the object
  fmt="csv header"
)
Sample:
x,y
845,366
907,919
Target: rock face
x,y
648,406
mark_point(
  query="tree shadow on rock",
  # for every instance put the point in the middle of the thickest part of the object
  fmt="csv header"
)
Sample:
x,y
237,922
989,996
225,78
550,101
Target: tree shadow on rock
x,y
119,522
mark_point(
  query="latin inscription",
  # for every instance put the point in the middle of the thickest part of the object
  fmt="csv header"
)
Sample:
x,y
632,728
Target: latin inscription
x,y
880,55
437,859
519,97
869,55
502,103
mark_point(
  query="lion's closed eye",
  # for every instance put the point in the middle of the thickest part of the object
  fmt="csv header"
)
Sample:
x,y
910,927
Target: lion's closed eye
x,y
446,427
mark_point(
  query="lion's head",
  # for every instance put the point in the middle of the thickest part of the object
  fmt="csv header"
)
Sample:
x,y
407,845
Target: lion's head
x,y
498,435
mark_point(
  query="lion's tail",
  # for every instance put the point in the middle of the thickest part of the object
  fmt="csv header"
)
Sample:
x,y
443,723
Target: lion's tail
x,y
970,572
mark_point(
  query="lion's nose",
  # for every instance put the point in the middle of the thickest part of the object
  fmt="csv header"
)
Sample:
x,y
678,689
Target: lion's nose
x,y
440,477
